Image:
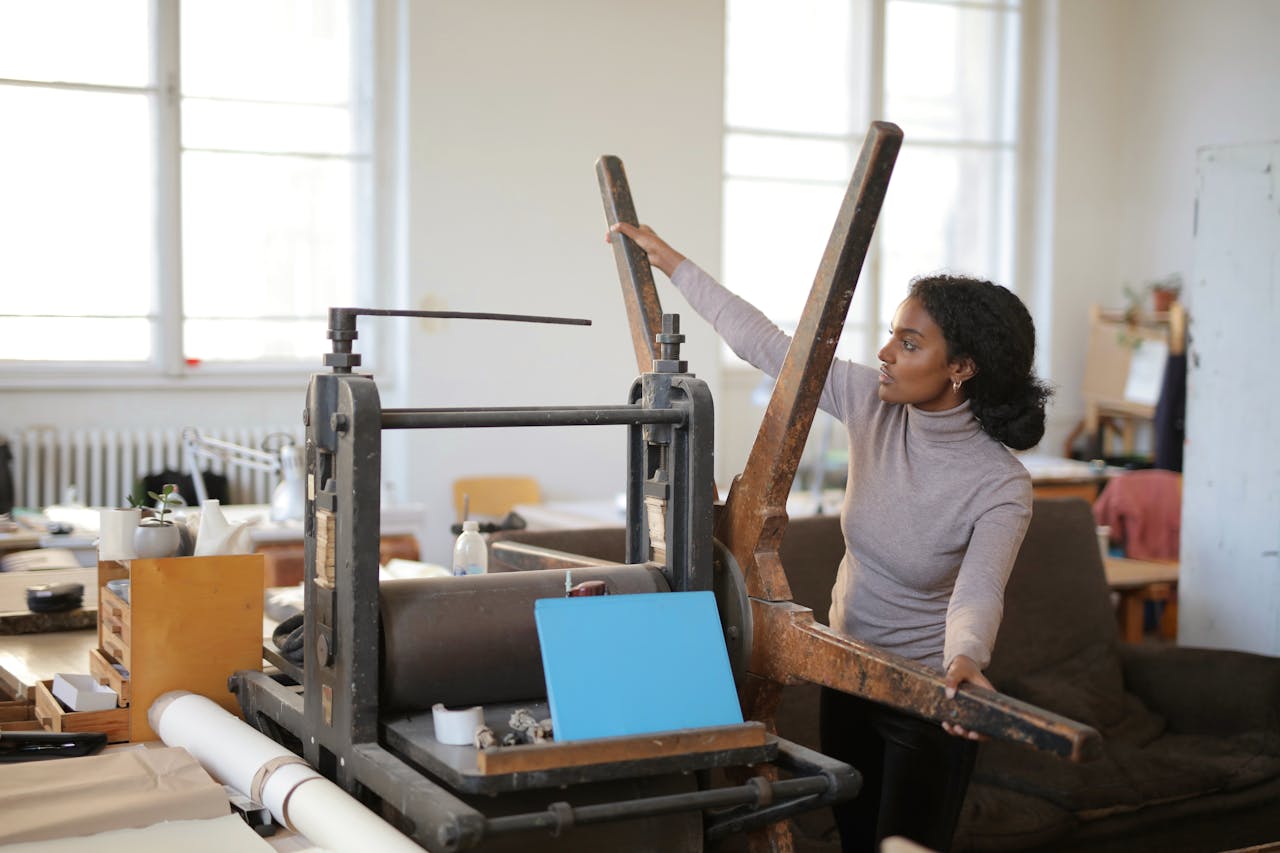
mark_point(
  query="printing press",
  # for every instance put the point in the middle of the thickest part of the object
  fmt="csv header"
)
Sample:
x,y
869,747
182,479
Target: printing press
x,y
375,664
359,710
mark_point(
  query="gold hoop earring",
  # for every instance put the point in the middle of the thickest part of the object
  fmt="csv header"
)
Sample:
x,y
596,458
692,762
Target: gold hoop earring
x,y
955,385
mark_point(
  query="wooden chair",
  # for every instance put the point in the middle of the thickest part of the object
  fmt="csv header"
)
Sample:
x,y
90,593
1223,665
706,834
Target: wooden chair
x,y
493,496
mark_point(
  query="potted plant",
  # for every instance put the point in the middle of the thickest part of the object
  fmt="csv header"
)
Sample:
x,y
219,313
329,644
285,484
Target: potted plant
x,y
158,536
1164,292
1158,294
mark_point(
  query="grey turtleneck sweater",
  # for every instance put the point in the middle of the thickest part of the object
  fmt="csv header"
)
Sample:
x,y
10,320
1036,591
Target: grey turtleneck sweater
x,y
934,511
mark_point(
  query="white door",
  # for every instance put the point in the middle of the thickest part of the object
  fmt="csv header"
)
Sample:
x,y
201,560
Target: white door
x,y
1229,591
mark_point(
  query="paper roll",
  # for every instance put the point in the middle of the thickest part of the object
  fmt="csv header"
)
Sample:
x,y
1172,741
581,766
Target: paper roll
x,y
115,533
238,755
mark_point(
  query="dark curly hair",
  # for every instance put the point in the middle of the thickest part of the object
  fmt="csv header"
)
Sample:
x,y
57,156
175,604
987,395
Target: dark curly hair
x,y
989,324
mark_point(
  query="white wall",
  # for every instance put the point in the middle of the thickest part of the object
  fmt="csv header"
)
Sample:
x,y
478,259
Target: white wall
x,y
1081,171
1142,84
510,105
102,403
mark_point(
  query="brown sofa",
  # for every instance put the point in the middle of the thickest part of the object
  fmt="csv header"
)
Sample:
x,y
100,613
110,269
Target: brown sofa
x,y
1191,736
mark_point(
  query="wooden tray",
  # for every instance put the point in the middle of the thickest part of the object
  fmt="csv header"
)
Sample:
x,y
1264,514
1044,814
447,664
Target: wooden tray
x,y
114,723
18,715
101,668
547,756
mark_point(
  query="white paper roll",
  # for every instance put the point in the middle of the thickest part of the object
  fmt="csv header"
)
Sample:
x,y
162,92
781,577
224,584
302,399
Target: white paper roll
x,y
236,754
115,533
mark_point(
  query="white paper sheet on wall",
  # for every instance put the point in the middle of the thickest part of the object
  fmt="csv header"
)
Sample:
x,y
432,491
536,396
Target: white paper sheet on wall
x,y
1146,372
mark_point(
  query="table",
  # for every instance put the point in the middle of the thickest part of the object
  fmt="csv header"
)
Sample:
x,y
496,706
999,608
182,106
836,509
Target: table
x,y
28,658
281,543
1059,477
572,515
612,512
1138,582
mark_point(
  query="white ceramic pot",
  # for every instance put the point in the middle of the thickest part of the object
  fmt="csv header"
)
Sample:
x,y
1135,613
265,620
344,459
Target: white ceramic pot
x,y
156,540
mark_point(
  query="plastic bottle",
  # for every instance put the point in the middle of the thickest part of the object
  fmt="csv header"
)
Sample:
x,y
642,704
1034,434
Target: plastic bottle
x,y
470,552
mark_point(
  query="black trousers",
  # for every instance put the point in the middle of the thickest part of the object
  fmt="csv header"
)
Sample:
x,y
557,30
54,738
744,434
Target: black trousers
x,y
914,773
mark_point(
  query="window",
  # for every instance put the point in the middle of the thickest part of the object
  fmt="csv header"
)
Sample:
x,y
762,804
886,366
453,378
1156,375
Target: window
x,y
186,183
802,82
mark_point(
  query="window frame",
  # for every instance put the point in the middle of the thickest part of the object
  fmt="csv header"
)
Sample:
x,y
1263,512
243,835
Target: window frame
x,y
874,14
376,156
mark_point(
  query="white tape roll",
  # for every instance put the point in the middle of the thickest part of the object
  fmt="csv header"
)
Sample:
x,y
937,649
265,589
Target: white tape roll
x,y
457,727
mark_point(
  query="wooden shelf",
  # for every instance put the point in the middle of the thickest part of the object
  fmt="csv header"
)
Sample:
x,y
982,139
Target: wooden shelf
x,y
1113,355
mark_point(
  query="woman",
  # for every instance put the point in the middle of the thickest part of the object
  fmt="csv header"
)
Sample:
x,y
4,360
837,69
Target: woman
x,y
933,517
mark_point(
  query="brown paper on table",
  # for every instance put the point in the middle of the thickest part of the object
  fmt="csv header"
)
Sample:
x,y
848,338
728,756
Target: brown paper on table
x,y
116,790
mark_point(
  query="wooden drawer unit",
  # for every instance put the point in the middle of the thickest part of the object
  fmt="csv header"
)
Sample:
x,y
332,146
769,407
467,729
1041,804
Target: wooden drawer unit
x,y
190,623
113,626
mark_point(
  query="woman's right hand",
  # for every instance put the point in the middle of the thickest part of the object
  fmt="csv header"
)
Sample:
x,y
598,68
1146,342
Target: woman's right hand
x,y
660,254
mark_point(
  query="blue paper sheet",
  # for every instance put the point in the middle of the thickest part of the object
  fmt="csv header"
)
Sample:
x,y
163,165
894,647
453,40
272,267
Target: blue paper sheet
x,y
634,664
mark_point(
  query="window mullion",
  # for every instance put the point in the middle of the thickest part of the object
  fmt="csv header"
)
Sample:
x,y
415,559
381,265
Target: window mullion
x,y
167,330
1000,234
388,272
875,104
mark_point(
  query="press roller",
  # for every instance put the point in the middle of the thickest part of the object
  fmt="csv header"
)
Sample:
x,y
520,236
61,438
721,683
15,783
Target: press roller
x,y
472,640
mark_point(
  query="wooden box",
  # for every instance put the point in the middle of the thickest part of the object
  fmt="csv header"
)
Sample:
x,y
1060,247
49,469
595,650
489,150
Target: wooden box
x,y
190,623
19,714
52,717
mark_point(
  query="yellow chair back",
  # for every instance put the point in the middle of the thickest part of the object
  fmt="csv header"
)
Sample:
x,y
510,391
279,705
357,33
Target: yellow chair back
x,y
493,496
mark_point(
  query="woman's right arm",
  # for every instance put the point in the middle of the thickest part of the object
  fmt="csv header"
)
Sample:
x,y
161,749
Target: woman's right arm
x,y
748,332
660,253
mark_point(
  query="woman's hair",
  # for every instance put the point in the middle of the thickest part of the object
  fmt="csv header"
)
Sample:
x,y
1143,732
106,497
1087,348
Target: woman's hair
x,y
989,324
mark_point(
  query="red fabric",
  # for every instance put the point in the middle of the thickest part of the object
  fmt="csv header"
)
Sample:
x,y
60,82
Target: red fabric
x,y
1144,511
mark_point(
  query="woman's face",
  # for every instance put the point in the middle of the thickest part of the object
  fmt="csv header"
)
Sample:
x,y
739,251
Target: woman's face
x,y
914,367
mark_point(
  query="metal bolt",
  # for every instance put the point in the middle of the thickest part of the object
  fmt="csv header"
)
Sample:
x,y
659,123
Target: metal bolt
x,y
323,651
338,422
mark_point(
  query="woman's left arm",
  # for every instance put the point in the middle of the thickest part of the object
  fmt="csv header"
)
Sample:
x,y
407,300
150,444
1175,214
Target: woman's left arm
x,y
964,669
977,601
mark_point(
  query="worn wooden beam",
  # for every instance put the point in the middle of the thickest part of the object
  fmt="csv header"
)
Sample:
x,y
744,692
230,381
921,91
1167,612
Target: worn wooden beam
x,y
644,311
791,647
755,518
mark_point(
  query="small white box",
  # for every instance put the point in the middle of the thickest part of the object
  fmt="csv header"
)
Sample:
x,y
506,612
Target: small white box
x,y
83,692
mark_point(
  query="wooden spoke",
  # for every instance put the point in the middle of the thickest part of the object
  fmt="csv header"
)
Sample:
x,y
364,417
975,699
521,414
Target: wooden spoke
x,y
644,311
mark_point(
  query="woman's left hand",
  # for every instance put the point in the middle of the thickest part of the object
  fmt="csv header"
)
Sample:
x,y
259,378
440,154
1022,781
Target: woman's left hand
x,y
964,669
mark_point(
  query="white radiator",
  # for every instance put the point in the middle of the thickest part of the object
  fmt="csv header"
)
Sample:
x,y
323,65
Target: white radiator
x,y
102,465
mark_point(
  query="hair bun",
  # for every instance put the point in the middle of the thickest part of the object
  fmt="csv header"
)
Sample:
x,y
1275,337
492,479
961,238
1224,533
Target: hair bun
x,y
990,325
